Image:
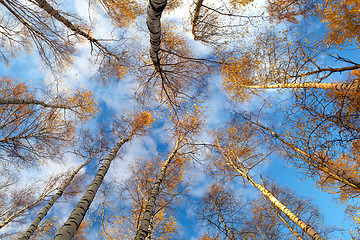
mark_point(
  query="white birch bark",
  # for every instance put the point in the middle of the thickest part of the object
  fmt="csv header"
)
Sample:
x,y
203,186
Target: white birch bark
x,y
304,226
55,13
17,101
68,230
153,17
195,18
34,225
143,230
228,232
336,86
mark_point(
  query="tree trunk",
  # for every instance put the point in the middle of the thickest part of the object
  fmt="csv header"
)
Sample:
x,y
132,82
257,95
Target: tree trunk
x,y
154,11
143,230
336,86
34,225
55,13
23,210
283,220
228,232
67,231
304,226
195,18
31,102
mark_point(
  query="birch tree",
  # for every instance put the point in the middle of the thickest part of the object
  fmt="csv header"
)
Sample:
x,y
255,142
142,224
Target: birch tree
x,y
32,129
252,47
135,126
144,229
24,27
18,202
55,14
292,57
219,23
153,17
184,131
88,151
317,160
182,77
269,222
163,223
237,157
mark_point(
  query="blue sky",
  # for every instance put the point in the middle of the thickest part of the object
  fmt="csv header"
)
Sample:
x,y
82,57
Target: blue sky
x,y
116,98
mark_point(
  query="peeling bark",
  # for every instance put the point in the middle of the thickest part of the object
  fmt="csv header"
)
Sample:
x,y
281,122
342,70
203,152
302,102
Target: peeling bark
x,y
282,219
304,226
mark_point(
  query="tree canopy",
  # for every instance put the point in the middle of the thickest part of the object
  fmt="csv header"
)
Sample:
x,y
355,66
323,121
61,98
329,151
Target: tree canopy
x,y
233,119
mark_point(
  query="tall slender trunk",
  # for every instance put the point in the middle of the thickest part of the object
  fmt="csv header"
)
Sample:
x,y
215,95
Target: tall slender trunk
x,y
316,162
283,220
31,102
153,17
195,18
228,232
304,226
34,225
55,13
67,231
336,86
23,210
143,230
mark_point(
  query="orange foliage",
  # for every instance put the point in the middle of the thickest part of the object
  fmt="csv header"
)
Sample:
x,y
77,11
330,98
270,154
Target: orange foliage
x,y
239,72
33,129
240,3
143,119
111,69
342,19
350,162
46,229
172,5
140,185
123,13
347,101
206,236
85,102
11,88
289,10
